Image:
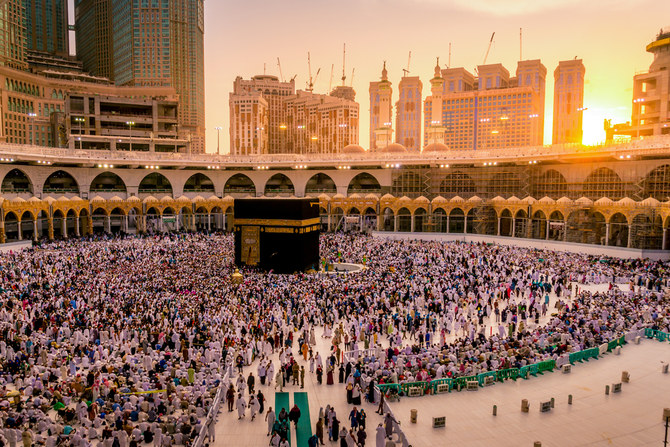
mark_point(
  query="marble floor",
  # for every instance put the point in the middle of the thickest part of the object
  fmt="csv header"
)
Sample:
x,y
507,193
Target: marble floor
x,y
630,418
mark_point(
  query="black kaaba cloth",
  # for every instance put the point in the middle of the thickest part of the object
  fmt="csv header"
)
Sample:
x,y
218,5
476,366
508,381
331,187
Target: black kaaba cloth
x,y
281,235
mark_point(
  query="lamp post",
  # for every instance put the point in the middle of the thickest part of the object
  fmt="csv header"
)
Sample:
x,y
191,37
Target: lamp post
x,y
32,127
130,133
218,139
79,120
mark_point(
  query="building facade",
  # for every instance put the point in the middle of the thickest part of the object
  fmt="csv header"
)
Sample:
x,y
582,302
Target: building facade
x,y
381,112
154,44
13,34
94,121
408,113
93,31
651,96
492,110
34,107
47,27
249,123
273,92
320,124
568,102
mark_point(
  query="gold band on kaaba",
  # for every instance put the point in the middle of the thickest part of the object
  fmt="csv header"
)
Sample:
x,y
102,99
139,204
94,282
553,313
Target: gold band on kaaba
x,y
278,222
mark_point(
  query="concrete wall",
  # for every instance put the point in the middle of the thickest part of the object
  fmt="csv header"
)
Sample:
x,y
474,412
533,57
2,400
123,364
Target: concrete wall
x,y
595,250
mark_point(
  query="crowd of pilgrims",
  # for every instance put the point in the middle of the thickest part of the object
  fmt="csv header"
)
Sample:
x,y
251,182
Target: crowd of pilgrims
x,y
125,341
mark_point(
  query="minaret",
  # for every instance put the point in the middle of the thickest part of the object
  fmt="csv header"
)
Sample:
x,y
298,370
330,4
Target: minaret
x,y
436,130
381,112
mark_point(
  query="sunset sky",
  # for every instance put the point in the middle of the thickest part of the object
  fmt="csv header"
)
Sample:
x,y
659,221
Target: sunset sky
x,y
609,35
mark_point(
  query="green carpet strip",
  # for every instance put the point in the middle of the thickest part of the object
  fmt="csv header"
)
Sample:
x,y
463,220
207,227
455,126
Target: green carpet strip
x,y
304,429
281,401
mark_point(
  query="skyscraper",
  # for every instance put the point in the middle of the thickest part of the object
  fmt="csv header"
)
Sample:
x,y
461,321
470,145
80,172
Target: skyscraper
x,y
47,27
408,113
12,34
381,112
158,43
568,102
93,31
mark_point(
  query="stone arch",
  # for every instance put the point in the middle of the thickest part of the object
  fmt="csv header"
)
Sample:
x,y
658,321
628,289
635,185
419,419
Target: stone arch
x,y
85,222
17,181
520,224
404,218
60,182
440,220
364,183
556,226
239,184
656,184
539,225
471,223
99,219
11,226
506,223
420,219
58,219
550,184
108,182
336,216
155,183
504,184
456,221
603,182
26,226
279,185
320,183
459,184
585,226
408,183
619,229
388,219
646,234
489,219
199,182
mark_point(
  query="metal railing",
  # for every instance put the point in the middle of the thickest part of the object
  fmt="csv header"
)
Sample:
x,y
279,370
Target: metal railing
x,y
646,146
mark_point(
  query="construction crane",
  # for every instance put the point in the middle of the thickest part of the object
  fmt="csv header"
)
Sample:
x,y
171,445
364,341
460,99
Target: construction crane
x,y
310,87
344,64
488,50
281,75
409,59
330,85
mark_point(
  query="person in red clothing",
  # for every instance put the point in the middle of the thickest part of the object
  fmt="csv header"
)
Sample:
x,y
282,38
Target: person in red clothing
x,y
294,415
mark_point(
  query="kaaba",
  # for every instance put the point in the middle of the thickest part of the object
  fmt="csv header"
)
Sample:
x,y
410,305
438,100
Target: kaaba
x,y
281,235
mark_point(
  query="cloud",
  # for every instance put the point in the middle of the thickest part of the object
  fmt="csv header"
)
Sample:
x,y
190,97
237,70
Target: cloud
x,y
518,7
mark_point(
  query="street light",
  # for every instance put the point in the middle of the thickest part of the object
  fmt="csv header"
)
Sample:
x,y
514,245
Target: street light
x,y
32,126
79,120
218,141
130,133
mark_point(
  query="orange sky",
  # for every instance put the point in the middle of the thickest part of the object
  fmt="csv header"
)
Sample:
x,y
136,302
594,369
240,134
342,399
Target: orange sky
x,y
609,35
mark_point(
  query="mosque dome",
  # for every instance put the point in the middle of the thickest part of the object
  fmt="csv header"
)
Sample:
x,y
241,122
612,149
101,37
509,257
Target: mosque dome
x,y
353,149
436,147
394,147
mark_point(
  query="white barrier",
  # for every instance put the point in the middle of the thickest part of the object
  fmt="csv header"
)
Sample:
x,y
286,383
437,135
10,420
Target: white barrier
x,y
353,356
214,409
396,426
